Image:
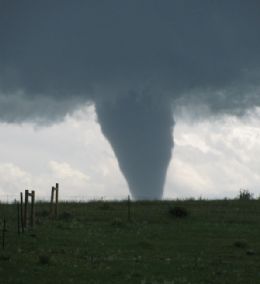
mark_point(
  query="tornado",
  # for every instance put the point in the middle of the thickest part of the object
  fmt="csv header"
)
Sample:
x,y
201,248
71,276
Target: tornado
x,y
140,133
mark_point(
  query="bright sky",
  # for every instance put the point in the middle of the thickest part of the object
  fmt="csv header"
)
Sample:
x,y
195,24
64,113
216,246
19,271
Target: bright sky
x,y
211,159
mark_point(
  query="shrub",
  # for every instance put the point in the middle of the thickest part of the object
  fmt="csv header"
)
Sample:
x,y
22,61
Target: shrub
x,y
245,194
5,257
240,244
44,259
178,212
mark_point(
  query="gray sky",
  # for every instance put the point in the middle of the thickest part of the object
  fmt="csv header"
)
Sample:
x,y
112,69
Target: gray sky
x,y
141,64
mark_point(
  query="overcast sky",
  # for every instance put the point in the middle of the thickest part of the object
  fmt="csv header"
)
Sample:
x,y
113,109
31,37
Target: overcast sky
x,y
161,97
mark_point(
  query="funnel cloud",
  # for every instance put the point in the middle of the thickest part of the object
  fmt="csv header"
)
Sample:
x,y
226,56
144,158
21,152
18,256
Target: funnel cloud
x,y
137,61
140,133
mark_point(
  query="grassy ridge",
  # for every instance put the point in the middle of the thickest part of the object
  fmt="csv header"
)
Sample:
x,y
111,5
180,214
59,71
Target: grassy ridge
x,y
218,242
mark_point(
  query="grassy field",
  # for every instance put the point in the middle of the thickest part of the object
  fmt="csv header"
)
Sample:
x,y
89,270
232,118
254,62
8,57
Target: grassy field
x,y
217,242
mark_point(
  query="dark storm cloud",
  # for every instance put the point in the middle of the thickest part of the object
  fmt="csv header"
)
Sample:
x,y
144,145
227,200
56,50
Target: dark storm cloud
x,y
95,49
56,55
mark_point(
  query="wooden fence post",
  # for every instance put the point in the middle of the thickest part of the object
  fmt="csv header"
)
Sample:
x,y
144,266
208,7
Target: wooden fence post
x,y
52,194
56,200
24,213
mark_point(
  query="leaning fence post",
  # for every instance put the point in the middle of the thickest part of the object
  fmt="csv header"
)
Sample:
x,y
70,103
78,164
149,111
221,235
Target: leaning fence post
x,y
52,194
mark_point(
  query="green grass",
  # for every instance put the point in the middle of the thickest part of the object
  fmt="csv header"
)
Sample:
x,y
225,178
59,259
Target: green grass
x,y
218,242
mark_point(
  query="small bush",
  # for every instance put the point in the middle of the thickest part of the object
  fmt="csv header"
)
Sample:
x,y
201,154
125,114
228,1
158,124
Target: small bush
x,y
250,252
240,244
178,212
44,259
245,194
5,257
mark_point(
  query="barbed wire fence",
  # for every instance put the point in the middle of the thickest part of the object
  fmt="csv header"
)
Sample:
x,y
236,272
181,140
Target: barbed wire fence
x,y
10,198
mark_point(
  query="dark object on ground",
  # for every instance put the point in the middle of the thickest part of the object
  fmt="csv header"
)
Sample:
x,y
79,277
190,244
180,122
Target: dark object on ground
x,y
44,259
245,194
240,244
178,212
250,252
5,257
